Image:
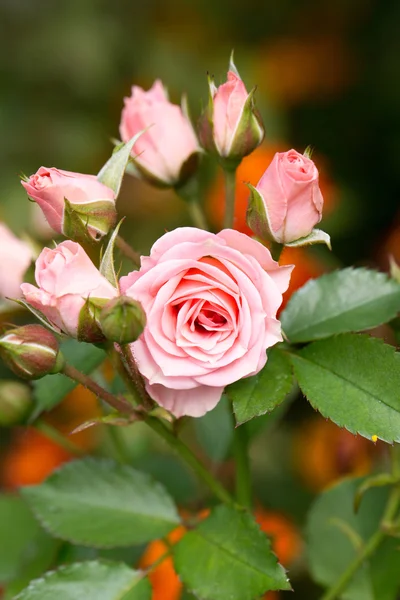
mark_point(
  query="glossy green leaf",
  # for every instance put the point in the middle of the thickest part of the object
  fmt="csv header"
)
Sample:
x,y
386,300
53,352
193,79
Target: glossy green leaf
x,y
227,557
113,171
50,390
331,549
25,548
90,581
101,504
257,395
340,302
354,380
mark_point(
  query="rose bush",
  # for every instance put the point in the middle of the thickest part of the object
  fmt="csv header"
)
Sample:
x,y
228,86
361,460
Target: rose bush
x,y
211,303
289,199
161,152
66,278
93,201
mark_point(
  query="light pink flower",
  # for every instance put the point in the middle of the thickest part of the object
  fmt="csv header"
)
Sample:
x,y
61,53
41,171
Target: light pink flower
x,y
15,258
94,201
289,198
231,124
169,142
66,277
211,303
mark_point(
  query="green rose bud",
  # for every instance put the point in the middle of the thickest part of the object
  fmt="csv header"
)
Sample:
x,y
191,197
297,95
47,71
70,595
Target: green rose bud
x,y
31,351
15,403
122,320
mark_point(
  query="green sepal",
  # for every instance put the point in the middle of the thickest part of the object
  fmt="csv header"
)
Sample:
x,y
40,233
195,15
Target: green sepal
x,y
88,326
206,128
39,315
113,171
257,215
249,131
107,268
317,236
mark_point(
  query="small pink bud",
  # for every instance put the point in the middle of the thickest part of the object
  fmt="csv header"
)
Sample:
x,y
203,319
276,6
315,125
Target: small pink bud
x,y
31,351
74,204
167,151
287,202
231,125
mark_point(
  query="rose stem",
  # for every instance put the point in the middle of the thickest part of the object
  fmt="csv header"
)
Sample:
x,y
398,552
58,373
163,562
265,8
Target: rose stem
x,y
197,214
123,406
242,462
56,436
230,189
375,540
128,251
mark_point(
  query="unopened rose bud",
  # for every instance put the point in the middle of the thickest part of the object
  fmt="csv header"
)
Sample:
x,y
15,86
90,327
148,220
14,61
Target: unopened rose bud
x,y
231,125
166,154
287,202
31,351
70,291
75,204
15,403
122,320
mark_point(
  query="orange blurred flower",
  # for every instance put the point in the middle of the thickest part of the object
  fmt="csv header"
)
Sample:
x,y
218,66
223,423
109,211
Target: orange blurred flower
x,y
323,452
32,457
286,543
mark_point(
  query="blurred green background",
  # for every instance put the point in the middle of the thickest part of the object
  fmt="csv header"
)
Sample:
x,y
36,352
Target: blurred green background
x,y
328,74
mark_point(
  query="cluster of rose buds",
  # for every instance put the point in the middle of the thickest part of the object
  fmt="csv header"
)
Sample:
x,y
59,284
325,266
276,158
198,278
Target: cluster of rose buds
x,y
202,309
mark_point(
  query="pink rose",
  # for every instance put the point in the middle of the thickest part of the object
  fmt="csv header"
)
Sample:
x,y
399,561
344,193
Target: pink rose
x,y
162,153
15,258
211,303
231,125
93,201
66,278
287,202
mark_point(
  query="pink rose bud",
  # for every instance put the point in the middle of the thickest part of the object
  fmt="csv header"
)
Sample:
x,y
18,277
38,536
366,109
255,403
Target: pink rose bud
x,y
75,205
231,126
287,202
122,320
15,402
15,258
70,292
31,351
211,303
166,153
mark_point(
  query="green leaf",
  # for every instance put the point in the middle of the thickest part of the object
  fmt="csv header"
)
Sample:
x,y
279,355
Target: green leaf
x,y
50,390
25,549
107,268
101,504
227,557
354,380
331,550
317,236
340,302
90,581
373,481
113,171
257,395
214,431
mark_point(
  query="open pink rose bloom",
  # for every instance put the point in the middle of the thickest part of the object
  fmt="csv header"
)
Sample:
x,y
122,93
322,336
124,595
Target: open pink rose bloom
x,y
211,303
